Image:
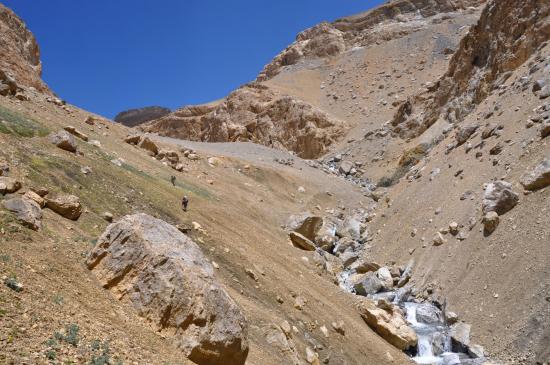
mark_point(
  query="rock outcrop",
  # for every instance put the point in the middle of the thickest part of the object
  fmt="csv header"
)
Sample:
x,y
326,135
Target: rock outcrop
x,y
506,35
19,53
330,39
135,117
165,276
257,114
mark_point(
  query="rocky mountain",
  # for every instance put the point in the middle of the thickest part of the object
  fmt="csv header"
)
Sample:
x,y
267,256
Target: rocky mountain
x,y
135,117
382,198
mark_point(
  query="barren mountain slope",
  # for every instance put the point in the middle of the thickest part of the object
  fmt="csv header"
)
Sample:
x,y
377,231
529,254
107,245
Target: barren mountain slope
x,y
336,70
53,309
408,140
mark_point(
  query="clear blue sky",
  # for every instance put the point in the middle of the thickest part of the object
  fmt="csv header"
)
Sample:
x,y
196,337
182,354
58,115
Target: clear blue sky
x,y
110,55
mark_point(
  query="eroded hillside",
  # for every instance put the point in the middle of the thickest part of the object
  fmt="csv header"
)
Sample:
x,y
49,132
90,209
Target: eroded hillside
x,y
380,193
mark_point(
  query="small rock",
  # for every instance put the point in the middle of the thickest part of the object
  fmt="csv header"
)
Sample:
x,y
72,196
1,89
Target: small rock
x,y
252,274
339,327
453,228
108,216
324,330
86,170
299,302
438,239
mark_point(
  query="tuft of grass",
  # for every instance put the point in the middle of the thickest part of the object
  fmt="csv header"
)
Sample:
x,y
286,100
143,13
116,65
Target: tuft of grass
x,y
101,354
19,125
58,299
13,284
70,336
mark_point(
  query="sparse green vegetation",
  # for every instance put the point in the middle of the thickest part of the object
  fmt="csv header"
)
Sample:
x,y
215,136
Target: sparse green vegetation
x,y
12,283
51,355
70,336
101,353
388,181
58,299
16,124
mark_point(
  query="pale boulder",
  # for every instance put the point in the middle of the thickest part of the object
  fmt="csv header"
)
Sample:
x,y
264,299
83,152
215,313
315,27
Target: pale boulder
x,y
537,178
27,212
9,185
165,276
299,241
64,140
388,321
75,132
499,197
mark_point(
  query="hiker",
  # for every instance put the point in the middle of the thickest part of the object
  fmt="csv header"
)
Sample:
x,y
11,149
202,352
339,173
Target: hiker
x,y
184,203
173,180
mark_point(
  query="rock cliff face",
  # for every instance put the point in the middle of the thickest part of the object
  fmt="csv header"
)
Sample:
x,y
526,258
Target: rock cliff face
x,y
258,114
20,56
507,34
135,117
329,39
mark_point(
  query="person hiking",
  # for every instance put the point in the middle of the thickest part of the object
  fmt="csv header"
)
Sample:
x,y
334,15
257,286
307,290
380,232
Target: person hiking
x,y
184,203
173,180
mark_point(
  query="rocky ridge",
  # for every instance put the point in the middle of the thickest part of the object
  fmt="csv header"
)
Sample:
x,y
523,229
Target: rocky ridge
x,y
135,117
257,114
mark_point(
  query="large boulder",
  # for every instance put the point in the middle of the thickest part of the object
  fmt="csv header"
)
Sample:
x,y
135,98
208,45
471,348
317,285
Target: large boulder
x,y
368,284
147,144
67,206
385,277
170,283
388,321
325,237
350,227
499,197
539,177
27,211
132,139
429,314
460,336
9,185
300,241
306,224
64,140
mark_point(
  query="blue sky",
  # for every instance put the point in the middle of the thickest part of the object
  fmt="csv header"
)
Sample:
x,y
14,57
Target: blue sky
x,y
110,55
